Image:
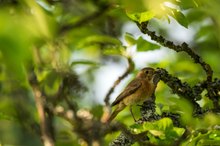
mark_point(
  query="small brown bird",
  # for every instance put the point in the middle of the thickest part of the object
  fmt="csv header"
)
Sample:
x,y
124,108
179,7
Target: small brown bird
x,y
138,90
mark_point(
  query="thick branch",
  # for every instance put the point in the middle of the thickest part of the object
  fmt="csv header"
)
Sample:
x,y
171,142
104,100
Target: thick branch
x,y
192,94
213,89
127,138
181,89
178,48
207,85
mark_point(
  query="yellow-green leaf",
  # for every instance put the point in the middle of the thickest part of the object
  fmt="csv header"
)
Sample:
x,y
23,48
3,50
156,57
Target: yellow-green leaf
x,y
144,45
129,38
142,16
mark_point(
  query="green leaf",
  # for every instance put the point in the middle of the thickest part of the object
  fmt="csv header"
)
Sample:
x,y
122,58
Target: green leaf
x,y
4,116
51,82
186,4
137,128
180,107
205,34
178,16
161,132
144,45
179,131
132,6
49,9
99,39
129,38
160,125
84,62
141,17
113,51
165,123
211,137
15,49
158,133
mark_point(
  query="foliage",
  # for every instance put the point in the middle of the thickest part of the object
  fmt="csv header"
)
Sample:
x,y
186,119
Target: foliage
x,y
161,132
52,53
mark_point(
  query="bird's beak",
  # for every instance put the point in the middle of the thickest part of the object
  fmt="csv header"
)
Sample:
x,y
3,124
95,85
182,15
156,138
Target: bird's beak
x,y
156,78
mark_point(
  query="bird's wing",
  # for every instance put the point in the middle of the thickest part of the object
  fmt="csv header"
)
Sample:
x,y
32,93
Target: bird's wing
x,y
130,89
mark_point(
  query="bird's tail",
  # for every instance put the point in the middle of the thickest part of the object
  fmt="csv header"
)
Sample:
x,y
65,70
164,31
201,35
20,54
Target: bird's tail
x,y
115,113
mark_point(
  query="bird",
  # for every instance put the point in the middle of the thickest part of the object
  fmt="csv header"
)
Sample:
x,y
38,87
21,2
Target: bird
x,y
141,88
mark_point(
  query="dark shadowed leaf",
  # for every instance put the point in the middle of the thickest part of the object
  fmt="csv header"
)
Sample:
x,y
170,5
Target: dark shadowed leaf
x,y
178,16
84,62
186,4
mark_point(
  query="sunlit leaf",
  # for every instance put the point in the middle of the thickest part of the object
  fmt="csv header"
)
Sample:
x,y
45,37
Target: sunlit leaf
x,y
137,128
48,8
113,51
141,17
165,123
179,131
162,131
211,137
157,133
39,18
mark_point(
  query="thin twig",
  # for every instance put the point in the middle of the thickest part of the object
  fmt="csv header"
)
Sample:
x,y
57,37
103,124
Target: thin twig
x,y
86,19
128,70
46,134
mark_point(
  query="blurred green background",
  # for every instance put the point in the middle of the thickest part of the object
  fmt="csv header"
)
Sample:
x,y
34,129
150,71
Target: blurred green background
x,y
90,40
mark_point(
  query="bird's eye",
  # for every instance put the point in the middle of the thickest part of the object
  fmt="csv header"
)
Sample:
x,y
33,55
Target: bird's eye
x,y
146,72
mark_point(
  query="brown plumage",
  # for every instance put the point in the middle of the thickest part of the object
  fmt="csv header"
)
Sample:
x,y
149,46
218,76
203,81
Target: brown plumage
x,y
138,90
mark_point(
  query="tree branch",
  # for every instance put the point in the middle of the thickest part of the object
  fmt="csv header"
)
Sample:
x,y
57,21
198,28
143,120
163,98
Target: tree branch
x,y
128,70
178,48
45,122
181,89
212,94
85,20
126,137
